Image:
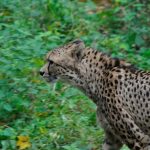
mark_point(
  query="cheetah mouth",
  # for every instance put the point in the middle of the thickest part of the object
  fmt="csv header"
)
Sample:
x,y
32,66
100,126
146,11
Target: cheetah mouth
x,y
50,79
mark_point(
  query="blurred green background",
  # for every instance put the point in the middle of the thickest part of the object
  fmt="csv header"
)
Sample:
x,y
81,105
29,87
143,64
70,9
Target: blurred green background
x,y
35,115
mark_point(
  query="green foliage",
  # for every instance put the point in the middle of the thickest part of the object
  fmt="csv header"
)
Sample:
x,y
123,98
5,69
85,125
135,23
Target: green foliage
x,y
59,116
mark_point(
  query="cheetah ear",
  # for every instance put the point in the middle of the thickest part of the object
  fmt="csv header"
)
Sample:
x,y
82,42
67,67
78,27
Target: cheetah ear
x,y
78,48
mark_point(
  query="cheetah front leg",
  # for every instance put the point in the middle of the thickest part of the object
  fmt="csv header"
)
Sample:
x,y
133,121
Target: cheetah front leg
x,y
111,141
126,128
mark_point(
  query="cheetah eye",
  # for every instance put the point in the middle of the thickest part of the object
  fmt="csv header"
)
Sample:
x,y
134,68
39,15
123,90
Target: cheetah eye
x,y
50,62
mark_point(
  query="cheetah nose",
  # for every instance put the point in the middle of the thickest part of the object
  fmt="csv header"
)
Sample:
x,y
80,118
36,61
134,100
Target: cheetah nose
x,y
41,73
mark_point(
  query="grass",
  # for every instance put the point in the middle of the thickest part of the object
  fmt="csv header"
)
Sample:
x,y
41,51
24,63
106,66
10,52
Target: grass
x,y
36,115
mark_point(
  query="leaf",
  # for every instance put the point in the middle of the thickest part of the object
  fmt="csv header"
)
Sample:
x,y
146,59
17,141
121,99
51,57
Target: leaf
x,y
8,107
23,142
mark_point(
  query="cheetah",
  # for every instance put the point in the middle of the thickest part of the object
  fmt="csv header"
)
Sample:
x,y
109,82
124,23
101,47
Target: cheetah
x,y
120,92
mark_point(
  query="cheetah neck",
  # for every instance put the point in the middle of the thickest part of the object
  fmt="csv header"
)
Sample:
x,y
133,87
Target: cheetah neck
x,y
93,72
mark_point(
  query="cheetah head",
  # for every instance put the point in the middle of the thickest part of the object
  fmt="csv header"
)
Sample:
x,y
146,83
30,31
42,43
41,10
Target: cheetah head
x,y
63,63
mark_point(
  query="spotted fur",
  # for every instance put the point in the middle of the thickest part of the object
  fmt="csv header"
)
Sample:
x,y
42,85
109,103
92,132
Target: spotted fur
x,y
120,92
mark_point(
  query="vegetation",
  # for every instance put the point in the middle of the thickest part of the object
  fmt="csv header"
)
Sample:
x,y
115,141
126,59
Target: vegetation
x,y
35,115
